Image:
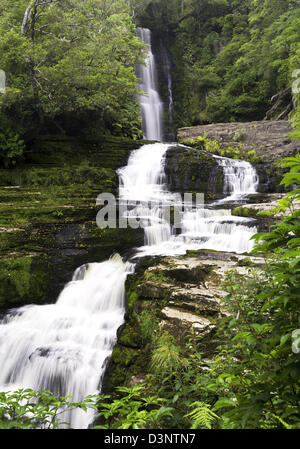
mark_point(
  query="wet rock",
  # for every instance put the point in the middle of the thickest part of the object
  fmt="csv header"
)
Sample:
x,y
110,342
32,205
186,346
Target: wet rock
x,y
190,170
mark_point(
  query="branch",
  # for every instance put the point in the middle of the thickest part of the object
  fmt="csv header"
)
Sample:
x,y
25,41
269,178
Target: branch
x,y
27,18
28,13
279,98
285,112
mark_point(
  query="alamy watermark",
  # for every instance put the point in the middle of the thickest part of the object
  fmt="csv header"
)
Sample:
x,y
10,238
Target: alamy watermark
x,y
141,214
296,83
2,82
296,341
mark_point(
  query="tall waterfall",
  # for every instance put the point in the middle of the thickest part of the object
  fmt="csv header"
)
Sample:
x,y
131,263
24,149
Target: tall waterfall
x,y
64,347
151,104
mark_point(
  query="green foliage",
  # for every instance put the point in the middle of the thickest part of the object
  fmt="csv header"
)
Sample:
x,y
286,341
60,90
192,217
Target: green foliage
x,y
202,416
70,58
296,124
165,357
214,147
284,237
148,324
11,148
29,409
230,57
133,410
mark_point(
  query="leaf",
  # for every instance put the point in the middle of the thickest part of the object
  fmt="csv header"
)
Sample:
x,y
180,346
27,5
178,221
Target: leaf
x,y
223,403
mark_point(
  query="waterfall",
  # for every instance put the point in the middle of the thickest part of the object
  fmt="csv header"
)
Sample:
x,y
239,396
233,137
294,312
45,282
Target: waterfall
x,y
151,104
240,179
64,347
143,180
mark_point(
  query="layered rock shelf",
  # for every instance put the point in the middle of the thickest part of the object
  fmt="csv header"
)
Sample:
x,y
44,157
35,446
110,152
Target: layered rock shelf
x,y
271,139
184,294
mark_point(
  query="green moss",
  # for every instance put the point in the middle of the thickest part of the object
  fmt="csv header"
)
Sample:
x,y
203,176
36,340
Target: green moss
x,y
148,324
124,356
246,262
130,337
192,253
244,212
22,279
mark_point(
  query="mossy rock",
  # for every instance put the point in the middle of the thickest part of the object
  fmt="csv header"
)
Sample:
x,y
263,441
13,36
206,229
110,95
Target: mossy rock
x,y
130,337
191,170
23,280
244,212
124,356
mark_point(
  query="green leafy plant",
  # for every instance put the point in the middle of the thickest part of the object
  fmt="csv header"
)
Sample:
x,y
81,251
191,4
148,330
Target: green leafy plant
x,y
202,416
132,410
29,409
11,148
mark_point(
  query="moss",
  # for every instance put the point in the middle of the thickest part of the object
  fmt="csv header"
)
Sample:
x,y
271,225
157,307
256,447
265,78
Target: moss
x,y
106,151
48,208
193,171
124,356
130,337
246,262
22,279
244,212
115,376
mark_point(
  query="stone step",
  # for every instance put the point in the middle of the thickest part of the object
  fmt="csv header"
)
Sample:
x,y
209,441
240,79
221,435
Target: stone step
x,y
185,321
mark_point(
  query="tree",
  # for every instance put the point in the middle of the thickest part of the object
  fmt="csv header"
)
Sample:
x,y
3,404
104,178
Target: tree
x,y
67,56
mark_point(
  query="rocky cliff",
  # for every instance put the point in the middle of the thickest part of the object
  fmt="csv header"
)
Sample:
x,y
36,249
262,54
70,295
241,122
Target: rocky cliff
x,y
270,139
190,170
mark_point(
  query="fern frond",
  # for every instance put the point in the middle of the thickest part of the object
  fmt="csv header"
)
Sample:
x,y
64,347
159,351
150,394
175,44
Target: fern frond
x,y
201,416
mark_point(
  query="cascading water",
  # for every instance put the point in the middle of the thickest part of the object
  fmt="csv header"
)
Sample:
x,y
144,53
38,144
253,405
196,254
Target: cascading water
x,y
151,104
143,180
240,179
64,347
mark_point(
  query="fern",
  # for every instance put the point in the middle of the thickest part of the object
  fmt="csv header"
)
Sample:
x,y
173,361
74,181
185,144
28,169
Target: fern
x,y
166,356
201,416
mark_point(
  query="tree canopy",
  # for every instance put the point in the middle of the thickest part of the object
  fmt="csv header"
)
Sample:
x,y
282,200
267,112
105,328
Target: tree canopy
x,y
232,59
70,57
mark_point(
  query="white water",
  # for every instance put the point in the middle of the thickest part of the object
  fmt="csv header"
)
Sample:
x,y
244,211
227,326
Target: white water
x,y
151,104
240,179
65,347
143,180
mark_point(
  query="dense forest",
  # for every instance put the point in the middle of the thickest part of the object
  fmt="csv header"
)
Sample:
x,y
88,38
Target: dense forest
x,y
70,69
231,61
231,58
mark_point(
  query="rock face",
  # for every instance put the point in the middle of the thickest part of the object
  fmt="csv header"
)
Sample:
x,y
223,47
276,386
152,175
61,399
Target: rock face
x,y
190,170
269,138
48,216
183,296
